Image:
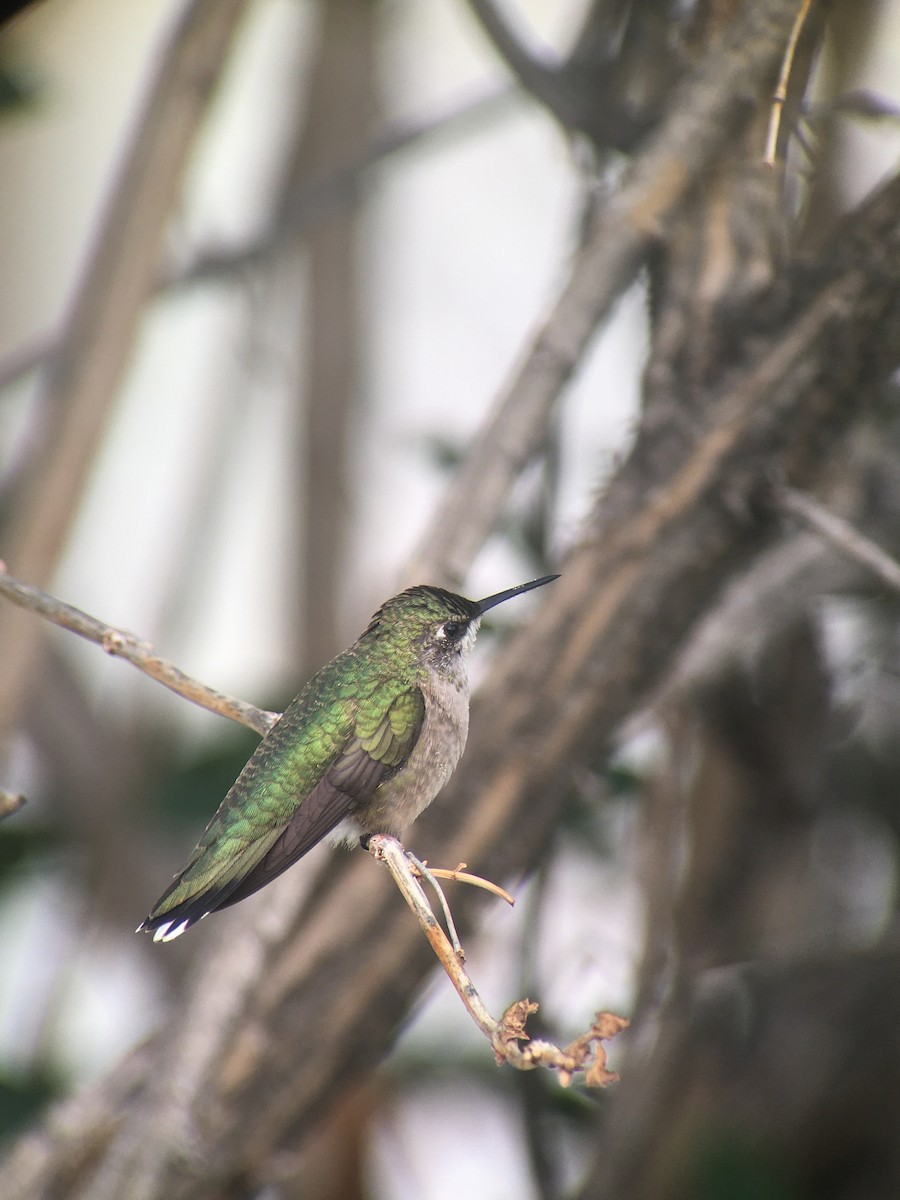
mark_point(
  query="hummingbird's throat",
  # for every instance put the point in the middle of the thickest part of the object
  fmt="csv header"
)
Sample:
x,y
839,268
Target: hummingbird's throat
x,y
468,641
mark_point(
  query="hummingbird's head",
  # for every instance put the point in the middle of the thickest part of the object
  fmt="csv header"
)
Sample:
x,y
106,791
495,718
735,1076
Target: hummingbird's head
x,y
440,625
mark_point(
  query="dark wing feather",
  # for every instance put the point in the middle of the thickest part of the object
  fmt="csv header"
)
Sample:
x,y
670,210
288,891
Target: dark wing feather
x,y
375,752
323,809
351,779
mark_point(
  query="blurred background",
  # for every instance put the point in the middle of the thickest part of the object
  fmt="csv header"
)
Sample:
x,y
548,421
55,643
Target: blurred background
x,y
367,218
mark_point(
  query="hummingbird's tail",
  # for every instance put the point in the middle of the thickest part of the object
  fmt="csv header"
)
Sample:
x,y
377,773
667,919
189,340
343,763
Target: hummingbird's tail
x,y
213,879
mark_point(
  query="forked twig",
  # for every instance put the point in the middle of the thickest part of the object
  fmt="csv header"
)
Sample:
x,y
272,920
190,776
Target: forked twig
x,y
461,875
121,644
422,871
508,1037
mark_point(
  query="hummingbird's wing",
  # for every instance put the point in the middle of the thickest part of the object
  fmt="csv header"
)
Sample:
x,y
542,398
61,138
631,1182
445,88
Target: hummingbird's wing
x,y
259,830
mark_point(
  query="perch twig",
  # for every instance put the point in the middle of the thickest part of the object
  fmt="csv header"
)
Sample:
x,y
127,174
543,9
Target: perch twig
x,y
121,644
508,1037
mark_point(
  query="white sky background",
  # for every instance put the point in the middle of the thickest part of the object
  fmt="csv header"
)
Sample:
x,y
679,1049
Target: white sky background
x,y
467,241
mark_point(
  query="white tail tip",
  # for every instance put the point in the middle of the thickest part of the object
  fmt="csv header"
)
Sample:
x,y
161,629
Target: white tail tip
x,y
170,931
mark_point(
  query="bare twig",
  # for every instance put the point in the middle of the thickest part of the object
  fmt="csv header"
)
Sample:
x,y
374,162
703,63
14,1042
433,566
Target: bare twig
x,y
140,654
420,871
461,875
26,358
508,1037
842,535
10,802
327,193
548,81
779,96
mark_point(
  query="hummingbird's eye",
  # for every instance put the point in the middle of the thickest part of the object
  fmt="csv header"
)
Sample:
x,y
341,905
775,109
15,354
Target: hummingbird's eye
x,y
453,630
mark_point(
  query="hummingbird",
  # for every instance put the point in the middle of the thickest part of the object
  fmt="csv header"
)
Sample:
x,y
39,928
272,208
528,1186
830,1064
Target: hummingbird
x,y
366,745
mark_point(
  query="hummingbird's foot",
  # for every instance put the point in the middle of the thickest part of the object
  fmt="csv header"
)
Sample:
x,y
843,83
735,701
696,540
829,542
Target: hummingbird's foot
x,y
423,871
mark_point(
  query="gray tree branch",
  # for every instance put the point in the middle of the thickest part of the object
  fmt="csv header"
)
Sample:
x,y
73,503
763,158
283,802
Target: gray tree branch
x,y
708,111
547,81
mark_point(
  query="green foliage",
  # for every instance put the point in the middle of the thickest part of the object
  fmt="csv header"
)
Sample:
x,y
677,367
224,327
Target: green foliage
x,y
20,89
193,791
21,845
23,1096
726,1165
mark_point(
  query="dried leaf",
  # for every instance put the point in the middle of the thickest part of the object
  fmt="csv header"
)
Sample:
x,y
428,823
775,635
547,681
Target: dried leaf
x,y
589,1055
596,1074
512,1023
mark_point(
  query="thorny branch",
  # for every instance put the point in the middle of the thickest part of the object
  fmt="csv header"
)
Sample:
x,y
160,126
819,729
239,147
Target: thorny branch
x,y
508,1037
121,644
461,875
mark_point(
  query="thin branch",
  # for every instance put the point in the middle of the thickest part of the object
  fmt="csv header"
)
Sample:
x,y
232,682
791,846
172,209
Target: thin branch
x,y
779,96
26,358
420,871
121,644
549,82
842,535
508,1037
331,192
461,875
